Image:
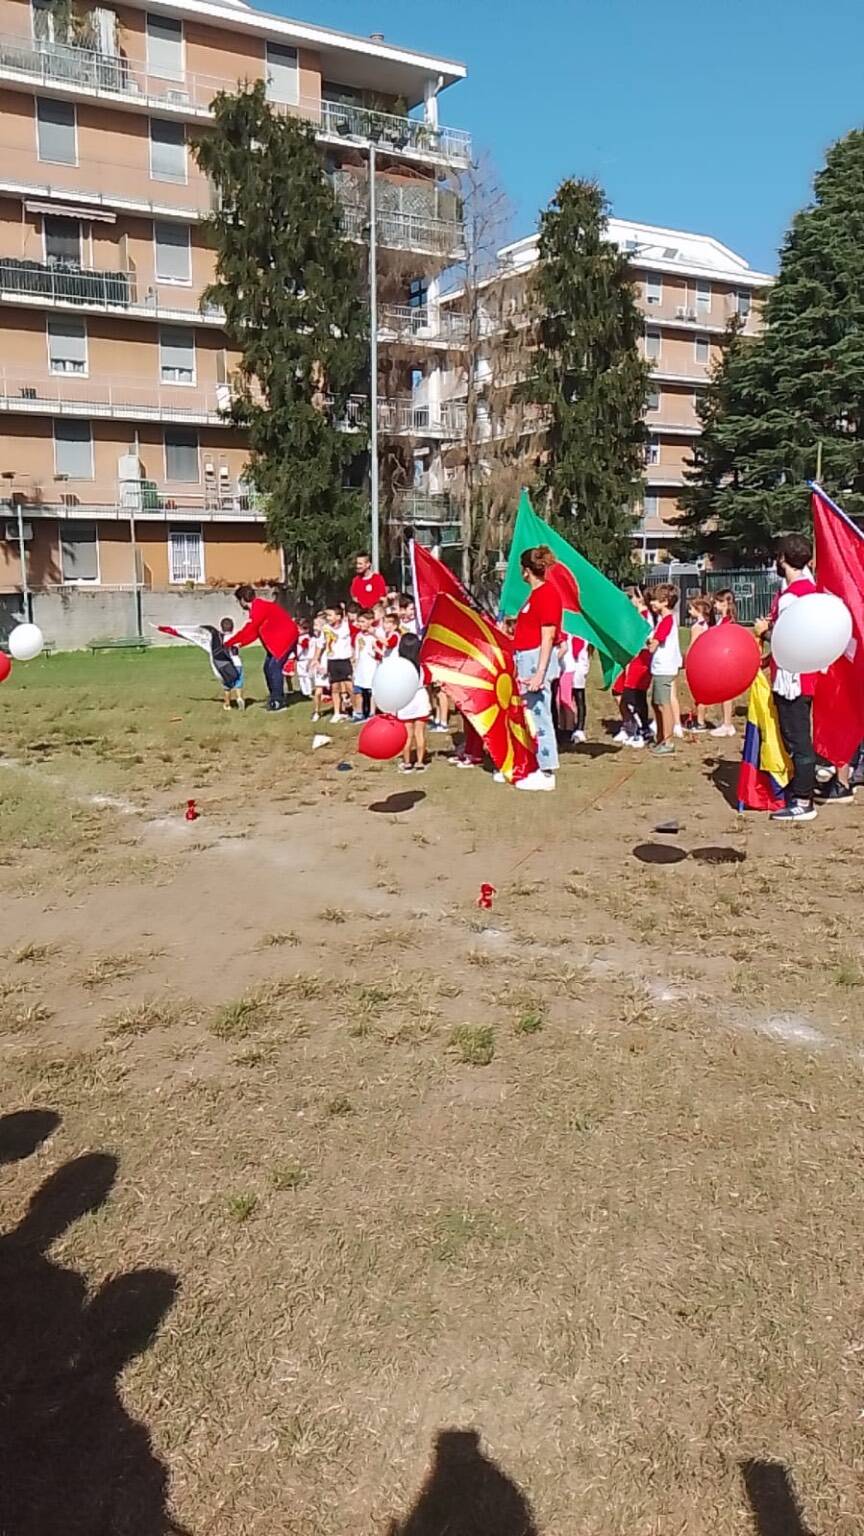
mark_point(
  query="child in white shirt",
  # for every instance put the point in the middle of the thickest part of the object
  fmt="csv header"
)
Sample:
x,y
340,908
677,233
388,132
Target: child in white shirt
x,y
338,649
365,665
665,651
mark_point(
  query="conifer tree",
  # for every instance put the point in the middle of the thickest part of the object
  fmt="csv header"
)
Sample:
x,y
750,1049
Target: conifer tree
x,y
777,397
289,283
590,377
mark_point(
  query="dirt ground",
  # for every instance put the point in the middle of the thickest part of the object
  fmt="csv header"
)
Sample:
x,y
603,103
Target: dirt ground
x,y
335,1206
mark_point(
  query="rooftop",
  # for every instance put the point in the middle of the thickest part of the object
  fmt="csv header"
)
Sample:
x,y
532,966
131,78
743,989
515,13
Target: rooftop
x,y
654,247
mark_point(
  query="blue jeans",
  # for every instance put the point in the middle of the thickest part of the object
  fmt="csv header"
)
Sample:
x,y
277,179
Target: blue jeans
x,y
539,705
274,677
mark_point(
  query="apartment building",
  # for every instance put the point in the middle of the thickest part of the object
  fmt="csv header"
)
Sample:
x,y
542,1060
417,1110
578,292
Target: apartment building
x,y
118,462
689,286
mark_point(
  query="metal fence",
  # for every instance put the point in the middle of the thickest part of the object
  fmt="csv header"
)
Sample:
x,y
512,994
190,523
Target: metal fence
x,y
754,588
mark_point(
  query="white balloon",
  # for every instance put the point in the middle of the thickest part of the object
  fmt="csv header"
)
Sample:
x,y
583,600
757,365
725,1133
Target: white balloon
x,y
26,641
395,683
811,633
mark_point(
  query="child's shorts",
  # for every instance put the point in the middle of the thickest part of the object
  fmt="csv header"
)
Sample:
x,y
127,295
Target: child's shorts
x,y
661,691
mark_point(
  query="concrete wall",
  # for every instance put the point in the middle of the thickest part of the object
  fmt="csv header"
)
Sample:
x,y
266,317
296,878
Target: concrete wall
x,y
72,616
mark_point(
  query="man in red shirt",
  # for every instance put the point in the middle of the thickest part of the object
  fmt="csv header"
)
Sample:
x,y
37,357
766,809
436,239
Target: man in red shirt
x,y
274,627
368,586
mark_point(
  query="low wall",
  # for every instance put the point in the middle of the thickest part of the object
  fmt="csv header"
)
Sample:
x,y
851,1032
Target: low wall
x,y
70,617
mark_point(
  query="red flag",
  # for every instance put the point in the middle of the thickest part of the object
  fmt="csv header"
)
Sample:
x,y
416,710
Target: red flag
x,y
838,704
566,585
473,659
431,576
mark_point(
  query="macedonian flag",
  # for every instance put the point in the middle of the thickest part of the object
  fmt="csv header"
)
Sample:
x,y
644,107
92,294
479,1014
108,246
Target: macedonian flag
x,y
472,659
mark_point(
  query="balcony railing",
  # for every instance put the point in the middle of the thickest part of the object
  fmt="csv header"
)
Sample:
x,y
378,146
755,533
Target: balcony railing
x,y
395,133
406,232
71,395
139,499
191,94
399,322
408,418
61,284
426,508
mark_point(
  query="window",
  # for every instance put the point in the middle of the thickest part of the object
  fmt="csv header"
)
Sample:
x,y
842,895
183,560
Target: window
x,y
702,349
73,449
79,552
165,47
652,345
652,451
652,402
67,345
185,554
418,292
177,355
167,150
173,253
651,508
46,25
283,77
653,290
55,132
703,296
62,240
181,454
743,303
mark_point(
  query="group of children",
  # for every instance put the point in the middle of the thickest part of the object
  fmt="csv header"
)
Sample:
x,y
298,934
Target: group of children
x,y
653,673
338,654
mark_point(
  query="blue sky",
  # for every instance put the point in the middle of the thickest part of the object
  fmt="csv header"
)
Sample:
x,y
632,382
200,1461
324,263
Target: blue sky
x,y
702,114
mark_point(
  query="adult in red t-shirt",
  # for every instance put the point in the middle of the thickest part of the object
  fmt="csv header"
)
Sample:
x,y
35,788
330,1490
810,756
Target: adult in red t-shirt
x,y
274,627
534,639
368,586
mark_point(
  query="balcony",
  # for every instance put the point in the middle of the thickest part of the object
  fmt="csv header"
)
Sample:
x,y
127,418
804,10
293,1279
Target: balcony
x,y
71,71
409,135
411,216
429,327
233,501
118,399
61,286
409,418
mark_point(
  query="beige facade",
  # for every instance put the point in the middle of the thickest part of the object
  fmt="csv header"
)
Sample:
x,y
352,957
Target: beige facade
x,y
115,373
689,287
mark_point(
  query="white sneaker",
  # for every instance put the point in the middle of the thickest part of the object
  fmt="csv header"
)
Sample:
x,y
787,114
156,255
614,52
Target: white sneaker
x,y
678,730
622,735
498,778
538,780
337,719
723,730
578,737
635,742
315,717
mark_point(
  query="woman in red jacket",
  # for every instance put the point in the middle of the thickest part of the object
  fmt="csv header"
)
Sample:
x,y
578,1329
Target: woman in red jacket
x,y
278,633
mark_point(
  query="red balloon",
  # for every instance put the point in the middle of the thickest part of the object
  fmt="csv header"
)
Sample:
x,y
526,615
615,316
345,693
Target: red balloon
x,y
382,737
722,663
5,666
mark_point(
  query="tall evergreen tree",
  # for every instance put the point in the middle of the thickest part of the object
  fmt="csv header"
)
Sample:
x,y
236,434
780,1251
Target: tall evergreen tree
x,y
289,284
590,377
799,384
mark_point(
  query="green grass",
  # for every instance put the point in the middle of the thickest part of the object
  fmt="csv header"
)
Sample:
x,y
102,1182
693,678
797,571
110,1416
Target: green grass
x,y
474,1044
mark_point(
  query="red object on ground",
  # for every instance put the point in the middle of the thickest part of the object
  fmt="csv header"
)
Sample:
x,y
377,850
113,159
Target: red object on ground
x,y
382,737
192,812
722,663
487,896
5,666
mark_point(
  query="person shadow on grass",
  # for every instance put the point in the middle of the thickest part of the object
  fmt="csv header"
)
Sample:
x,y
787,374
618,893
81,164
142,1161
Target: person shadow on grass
x,y
72,1460
466,1494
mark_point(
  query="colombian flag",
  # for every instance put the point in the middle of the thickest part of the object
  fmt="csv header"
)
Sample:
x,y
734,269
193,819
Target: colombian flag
x,y
473,660
765,769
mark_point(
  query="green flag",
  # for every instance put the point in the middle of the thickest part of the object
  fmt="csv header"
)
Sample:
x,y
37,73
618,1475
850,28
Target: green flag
x,y
607,618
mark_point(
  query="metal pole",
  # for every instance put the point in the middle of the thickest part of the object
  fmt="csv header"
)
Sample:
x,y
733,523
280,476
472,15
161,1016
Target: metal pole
x,y
819,462
136,493
22,556
373,360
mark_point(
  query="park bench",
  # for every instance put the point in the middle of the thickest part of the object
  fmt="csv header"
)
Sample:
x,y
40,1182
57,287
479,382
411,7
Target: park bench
x,y
129,643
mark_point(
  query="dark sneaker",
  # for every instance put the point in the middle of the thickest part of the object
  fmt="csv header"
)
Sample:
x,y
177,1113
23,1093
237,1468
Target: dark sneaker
x,y
795,812
834,792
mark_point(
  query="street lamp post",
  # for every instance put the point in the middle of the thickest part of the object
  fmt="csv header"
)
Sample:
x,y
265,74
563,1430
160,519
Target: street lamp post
x,y
373,359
